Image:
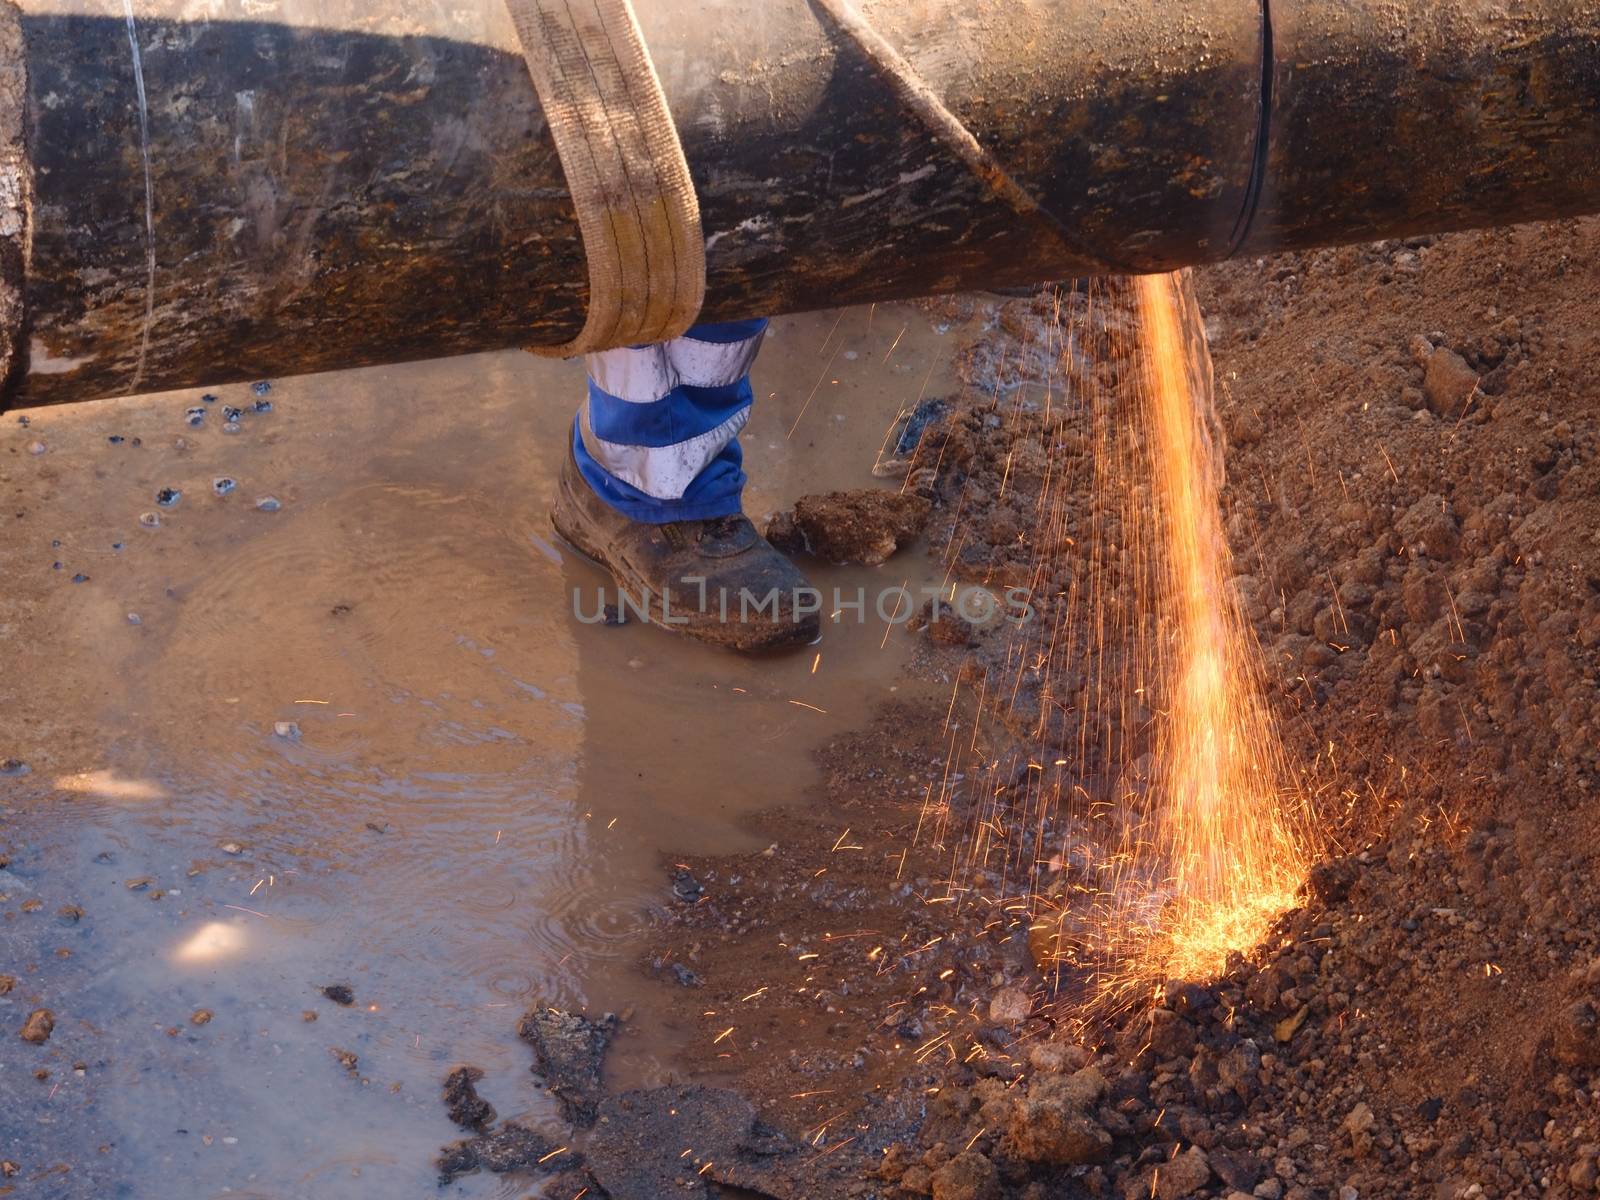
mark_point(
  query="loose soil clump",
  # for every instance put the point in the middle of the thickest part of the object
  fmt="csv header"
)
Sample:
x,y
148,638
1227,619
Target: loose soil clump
x,y
865,526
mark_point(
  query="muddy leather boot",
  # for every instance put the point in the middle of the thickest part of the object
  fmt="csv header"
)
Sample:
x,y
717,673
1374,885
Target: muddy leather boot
x,y
717,581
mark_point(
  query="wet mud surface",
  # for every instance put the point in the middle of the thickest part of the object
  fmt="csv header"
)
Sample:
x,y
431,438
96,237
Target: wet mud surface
x,y
329,755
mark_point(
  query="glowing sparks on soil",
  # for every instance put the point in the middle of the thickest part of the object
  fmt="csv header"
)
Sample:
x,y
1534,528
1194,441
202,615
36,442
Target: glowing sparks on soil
x,y
1234,857
1166,831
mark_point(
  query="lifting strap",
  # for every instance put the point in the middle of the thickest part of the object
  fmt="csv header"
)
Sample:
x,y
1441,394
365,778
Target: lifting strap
x,y
637,209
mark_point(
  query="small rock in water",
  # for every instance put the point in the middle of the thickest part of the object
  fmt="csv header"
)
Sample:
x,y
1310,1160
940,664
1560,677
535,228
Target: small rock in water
x,y
261,406
686,889
223,485
24,421
261,387
116,439
39,1026
36,447
268,504
57,565
231,413
167,497
116,545
80,577
340,993
208,398
135,619
195,416
231,427
201,1016
287,729
613,615
13,767
231,848
150,520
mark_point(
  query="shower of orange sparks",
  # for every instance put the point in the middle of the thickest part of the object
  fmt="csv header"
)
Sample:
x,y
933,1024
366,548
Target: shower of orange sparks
x,y
1229,830
1174,772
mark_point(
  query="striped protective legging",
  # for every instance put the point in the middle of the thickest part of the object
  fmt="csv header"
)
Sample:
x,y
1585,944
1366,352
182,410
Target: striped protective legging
x,y
657,436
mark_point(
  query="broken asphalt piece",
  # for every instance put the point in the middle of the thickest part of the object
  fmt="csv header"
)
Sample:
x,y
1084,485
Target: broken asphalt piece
x,y
568,1053
864,526
340,993
462,1103
512,1147
637,1149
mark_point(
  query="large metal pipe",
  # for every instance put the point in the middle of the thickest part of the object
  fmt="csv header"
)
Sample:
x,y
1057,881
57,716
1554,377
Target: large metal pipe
x,y
223,190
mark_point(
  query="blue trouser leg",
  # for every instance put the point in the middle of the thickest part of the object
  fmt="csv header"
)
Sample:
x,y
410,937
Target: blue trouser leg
x,y
657,437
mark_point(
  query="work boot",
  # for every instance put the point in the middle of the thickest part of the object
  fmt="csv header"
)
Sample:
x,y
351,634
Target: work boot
x,y
717,581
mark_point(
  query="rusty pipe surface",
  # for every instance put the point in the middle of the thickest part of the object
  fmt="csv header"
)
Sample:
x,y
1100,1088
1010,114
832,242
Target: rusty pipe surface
x,y
197,194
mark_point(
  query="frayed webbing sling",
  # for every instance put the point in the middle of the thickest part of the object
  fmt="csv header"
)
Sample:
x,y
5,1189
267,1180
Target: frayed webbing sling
x,y
625,169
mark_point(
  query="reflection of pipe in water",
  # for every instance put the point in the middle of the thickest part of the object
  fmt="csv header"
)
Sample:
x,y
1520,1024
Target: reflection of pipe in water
x,y
367,181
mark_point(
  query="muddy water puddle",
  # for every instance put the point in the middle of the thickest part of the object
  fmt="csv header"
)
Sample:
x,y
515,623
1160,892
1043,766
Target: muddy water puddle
x,y
357,736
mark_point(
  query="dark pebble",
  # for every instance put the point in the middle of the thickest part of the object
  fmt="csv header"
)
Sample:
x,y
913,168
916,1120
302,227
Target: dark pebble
x,y
230,413
195,416
116,545
167,497
223,485
614,615
262,406
24,421
116,439
209,398
340,993
1430,1109
80,578
261,387
57,565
